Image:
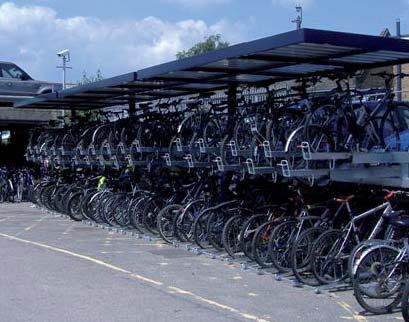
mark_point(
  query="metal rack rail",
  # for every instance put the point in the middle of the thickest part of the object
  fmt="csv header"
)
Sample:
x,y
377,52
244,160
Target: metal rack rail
x,y
259,63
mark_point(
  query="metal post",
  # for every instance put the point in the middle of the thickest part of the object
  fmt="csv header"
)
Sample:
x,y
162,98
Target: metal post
x,y
399,67
132,106
64,72
298,20
66,58
232,106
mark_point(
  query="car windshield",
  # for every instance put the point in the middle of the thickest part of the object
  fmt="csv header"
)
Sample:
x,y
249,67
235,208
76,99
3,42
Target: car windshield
x,y
10,71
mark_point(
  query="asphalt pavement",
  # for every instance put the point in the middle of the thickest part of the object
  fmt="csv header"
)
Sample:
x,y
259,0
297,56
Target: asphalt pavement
x,y
53,269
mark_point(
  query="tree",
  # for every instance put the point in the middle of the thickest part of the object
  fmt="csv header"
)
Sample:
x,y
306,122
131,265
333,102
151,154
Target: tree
x,y
83,116
210,43
90,78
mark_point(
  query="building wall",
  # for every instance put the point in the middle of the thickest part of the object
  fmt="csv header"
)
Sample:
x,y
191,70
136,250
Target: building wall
x,y
405,83
10,115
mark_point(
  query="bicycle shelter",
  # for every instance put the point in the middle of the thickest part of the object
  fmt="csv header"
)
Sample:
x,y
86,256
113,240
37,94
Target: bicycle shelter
x,y
263,62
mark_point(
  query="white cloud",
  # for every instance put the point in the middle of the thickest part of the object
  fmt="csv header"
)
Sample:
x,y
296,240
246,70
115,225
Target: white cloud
x,y
31,35
292,3
198,4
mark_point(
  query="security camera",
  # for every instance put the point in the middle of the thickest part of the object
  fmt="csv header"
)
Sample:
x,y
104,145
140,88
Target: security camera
x,y
64,53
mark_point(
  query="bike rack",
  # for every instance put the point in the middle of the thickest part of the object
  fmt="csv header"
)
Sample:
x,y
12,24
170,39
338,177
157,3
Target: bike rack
x,y
107,146
137,146
116,162
250,166
233,148
219,163
189,159
101,161
167,159
202,147
285,168
267,149
91,149
253,128
179,147
129,160
121,148
380,157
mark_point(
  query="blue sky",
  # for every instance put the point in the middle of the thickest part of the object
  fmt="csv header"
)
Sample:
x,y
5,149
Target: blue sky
x,y
125,35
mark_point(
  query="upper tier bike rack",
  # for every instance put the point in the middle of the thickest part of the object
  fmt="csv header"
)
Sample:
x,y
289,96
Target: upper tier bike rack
x,y
259,63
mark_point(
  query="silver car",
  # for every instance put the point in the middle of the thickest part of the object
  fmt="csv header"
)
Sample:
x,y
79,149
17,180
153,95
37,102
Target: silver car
x,y
16,84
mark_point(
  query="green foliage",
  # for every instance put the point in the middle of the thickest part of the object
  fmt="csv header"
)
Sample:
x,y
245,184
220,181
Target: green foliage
x,y
90,78
210,43
83,117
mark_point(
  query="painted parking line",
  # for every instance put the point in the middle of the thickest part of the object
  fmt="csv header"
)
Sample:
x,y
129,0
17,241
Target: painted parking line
x,y
355,315
37,222
170,289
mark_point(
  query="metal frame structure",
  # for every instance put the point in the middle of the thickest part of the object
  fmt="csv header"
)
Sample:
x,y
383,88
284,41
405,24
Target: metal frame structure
x,y
300,53
263,62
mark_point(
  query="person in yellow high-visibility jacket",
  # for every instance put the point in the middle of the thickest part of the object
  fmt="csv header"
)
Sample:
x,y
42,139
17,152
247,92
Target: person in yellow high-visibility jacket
x,y
102,182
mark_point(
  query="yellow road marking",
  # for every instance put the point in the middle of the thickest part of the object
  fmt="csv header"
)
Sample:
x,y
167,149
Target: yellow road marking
x,y
356,316
145,279
31,226
171,289
216,304
67,252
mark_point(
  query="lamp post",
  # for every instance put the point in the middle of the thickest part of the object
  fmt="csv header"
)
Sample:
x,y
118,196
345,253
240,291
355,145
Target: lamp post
x,y
298,20
66,58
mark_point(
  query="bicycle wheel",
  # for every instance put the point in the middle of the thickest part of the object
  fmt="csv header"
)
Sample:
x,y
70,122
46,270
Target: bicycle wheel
x,y
260,243
248,231
378,279
319,140
108,209
395,128
150,214
120,213
357,252
231,235
200,229
405,302
94,207
183,223
165,222
137,214
74,206
301,256
86,203
215,225
329,256
279,245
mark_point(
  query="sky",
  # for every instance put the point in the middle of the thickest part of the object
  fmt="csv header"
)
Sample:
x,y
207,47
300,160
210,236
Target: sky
x,y
126,35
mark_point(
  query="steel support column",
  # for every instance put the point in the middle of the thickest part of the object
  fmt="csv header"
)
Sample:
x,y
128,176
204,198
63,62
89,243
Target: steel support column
x,y
132,106
232,106
399,67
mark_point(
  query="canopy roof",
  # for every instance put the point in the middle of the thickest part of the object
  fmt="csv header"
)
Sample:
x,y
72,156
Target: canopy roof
x,y
291,55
